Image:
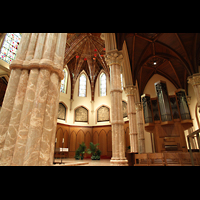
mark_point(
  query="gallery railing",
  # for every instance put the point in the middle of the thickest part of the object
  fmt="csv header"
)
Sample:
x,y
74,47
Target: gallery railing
x,y
192,135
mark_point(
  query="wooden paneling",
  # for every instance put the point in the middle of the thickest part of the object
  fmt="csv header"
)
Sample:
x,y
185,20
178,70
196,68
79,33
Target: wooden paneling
x,y
75,135
103,142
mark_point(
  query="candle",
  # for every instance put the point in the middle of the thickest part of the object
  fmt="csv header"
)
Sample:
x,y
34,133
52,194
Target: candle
x,y
56,140
63,140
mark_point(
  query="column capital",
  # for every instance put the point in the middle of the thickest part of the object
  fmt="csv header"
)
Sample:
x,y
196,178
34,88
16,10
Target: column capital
x,y
194,79
138,106
188,99
130,90
114,57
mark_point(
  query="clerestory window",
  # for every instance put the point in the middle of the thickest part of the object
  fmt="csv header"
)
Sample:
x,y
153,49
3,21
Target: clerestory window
x,y
63,87
82,85
103,84
10,47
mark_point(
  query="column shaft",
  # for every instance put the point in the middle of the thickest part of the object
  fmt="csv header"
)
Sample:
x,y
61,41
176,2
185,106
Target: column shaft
x,y
118,138
9,99
131,91
20,146
51,112
11,134
194,80
31,133
32,150
140,128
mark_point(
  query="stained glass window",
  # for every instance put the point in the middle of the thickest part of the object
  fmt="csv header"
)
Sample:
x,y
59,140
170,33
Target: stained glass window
x,y
10,47
63,87
102,84
82,86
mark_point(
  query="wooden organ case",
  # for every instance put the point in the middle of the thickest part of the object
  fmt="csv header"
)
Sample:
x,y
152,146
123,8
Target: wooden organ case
x,y
167,117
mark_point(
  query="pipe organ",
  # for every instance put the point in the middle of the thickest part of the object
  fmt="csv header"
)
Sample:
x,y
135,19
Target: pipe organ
x,y
167,116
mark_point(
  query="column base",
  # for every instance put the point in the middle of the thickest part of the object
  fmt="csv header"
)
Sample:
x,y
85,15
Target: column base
x,y
114,162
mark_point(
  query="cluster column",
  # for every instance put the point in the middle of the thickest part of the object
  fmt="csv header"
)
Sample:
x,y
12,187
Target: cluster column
x,y
114,60
130,92
140,128
194,80
31,132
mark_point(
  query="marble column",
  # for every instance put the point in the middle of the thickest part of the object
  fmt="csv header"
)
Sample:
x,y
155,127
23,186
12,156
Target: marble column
x,y
20,146
130,92
114,60
12,104
41,68
194,80
140,128
51,112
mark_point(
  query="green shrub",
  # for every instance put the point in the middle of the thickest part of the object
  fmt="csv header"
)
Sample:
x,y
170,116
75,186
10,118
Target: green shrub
x,y
79,154
96,153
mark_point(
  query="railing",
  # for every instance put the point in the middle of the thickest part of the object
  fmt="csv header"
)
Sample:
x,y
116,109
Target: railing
x,y
191,135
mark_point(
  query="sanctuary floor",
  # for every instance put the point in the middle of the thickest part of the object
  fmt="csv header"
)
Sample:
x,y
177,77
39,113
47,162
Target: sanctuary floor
x,y
85,162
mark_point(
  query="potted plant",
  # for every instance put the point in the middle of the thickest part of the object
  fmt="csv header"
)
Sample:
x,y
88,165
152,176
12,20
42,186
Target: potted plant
x,y
80,151
96,153
77,155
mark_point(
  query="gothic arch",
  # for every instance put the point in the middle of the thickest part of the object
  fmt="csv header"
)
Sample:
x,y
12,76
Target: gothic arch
x,y
98,83
87,114
59,136
96,113
72,141
103,142
78,79
66,109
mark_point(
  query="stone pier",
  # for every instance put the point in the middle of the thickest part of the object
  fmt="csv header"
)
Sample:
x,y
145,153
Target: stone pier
x,y
114,60
29,112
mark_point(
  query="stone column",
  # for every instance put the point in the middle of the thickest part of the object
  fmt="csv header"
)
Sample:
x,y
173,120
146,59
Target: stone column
x,y
39,102
130,92
12,104
20,146
194,80
51,112
114,60
140,128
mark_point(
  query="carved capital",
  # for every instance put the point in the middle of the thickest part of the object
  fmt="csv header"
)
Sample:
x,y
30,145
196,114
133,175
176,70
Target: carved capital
x,y
194,79
188,99
138,106
114,57
130,90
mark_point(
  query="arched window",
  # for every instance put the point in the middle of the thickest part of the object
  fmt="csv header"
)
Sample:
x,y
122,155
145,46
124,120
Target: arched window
x,y
10,47
122,81
103,84
63,87
82,85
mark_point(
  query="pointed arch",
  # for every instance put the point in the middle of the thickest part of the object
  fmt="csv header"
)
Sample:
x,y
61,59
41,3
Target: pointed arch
x,y
82,84
99,82
59,136
102,114
72,141
103,142
64,82
62,114
81,114
103,84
